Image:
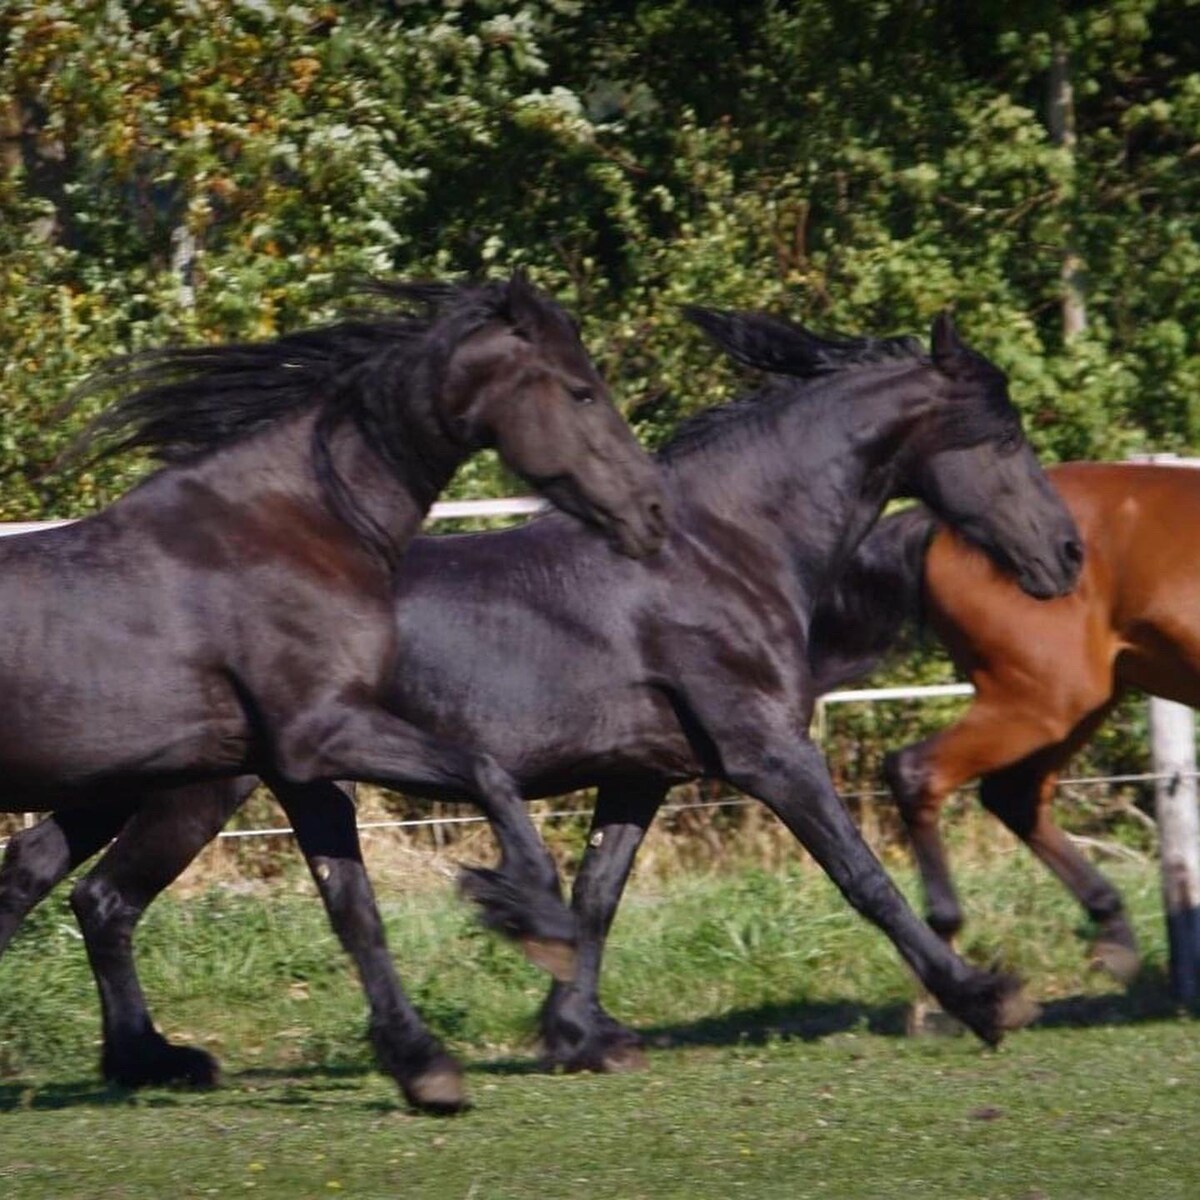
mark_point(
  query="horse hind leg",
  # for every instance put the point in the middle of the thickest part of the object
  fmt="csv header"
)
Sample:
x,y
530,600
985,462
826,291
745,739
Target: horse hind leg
x,y
577,1034
37,859
156,844
1020,796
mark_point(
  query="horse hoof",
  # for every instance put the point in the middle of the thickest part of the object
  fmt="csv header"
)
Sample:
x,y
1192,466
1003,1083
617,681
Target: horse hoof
x,y
164,1066
552,955
440,1091
625,1059
1017,1010
1121,962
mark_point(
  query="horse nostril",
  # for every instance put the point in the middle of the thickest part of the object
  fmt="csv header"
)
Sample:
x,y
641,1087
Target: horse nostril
x,y
1072,552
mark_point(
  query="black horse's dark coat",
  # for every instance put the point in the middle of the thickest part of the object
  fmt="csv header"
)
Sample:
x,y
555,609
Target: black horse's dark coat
x,y
574,667
235,612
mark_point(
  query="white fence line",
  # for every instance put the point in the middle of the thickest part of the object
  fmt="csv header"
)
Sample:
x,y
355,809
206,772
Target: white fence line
x,y
443,510
916,692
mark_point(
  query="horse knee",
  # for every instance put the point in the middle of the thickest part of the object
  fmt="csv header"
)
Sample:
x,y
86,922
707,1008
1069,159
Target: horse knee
x,y
34,861
100,909
907,777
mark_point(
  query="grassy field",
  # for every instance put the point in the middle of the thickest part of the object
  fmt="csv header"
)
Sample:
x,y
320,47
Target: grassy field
x,y
778,1068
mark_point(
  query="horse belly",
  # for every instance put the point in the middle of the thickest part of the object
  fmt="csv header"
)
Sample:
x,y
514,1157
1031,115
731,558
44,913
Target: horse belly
x,y
68,724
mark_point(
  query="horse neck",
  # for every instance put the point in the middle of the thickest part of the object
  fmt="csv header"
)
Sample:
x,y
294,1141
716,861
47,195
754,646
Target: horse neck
x,y
817,472
347,492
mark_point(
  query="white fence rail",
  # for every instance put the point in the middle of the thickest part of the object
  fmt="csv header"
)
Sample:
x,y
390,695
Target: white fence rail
x,y
443,510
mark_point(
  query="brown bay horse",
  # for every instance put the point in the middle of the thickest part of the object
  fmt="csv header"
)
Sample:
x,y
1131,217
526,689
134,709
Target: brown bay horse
x,y
1046,674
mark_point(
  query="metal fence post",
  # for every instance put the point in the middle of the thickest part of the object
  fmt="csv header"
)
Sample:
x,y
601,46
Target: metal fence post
x,y
1173,745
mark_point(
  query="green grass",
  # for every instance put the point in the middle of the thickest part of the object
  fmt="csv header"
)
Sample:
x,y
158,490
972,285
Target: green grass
x,y
779,1069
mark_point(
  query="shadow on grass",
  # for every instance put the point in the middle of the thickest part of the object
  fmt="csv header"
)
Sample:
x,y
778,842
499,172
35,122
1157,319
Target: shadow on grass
x,y
19,1095
1147,999
806,1021
316,1082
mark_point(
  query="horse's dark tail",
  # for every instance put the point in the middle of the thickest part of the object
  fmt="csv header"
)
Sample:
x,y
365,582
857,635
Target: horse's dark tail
x,y
875,605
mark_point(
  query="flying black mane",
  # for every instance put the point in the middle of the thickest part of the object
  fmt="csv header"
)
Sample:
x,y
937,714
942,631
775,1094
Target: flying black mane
x,y
782,348
184,402
382,370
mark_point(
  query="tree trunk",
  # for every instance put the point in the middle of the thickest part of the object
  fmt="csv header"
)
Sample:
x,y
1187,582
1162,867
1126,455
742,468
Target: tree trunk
x,y
1061,119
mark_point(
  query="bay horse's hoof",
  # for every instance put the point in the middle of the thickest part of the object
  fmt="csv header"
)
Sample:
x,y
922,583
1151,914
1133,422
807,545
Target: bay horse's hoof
x,y
1121,962
552,955
439,1090
159,1064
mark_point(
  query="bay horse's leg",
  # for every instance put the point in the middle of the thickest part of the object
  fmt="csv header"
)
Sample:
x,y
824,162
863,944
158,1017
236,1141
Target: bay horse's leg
x,y
37,859
1021,797
577,1034
322,815
793,780
162,837
990,736
522,898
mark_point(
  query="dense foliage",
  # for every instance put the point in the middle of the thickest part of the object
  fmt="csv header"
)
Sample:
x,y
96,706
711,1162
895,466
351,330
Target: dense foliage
x,y
198,169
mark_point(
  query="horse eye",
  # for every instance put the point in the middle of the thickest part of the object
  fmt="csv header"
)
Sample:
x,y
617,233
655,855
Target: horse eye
x,y
583,395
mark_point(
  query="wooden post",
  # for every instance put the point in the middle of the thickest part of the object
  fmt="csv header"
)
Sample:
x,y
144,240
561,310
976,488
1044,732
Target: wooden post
x,y
1173,745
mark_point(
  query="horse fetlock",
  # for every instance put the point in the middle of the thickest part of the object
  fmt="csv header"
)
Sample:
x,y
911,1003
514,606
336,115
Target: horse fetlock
x,y
990,1005
557,957
578,1035
945,919
430,1079
1115,950
517,910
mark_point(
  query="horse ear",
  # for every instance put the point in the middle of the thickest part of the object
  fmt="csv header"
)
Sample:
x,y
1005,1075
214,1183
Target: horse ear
x,y
522,305
948,349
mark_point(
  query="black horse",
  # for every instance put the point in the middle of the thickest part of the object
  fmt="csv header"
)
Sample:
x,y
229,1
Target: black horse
x,y
575,668
235,612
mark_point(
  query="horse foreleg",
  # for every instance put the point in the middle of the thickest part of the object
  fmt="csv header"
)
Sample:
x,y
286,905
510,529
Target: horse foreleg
x,y
794,782
920,783
521,898
322,816
162,837
37,859
577,1034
